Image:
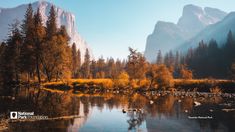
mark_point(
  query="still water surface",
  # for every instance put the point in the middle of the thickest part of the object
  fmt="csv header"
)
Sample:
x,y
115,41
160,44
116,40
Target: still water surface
x,y
121,113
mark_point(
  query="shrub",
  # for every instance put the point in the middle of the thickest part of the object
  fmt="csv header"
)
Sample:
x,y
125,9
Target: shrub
x,y
164,77
122,80
185,73
144,83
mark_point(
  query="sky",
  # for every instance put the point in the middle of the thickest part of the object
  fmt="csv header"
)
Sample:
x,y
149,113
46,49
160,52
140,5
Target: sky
x,y
111,26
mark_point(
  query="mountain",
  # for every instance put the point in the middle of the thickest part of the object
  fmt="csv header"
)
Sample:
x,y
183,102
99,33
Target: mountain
x,y
8,15
167,36
217,31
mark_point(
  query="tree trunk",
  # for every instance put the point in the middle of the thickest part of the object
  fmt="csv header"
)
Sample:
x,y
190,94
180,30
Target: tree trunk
x,y
38,71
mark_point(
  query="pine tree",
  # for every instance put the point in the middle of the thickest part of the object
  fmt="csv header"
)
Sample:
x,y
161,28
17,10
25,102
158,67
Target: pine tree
x,y
63,60
78,62
27,58
85,69
56,55
74,61
11,58
39,36
51,24
159,58
111,69
233,71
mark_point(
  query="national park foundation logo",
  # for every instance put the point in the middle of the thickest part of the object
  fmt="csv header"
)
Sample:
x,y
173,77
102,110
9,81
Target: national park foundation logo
x,y
25,115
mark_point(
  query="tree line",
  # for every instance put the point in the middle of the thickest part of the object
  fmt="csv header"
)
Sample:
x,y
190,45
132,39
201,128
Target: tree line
x,y
207,60
34,52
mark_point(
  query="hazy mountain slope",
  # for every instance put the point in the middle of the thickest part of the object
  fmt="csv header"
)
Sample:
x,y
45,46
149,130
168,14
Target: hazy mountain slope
x,y
168,36
216,31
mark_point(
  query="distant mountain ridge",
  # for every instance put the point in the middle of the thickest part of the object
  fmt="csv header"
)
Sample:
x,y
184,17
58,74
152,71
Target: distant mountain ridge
x,y
217,31
8,15
168,36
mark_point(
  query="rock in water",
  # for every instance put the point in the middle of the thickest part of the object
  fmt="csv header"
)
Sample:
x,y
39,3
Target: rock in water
x,y
196,103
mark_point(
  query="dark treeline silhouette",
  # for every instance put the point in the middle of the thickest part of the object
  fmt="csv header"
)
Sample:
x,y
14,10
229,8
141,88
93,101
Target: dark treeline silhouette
x,y
207,60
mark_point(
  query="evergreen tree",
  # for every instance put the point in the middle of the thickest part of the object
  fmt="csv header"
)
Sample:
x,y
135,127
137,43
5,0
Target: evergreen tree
x,y
159,58
85,69
40,45
27,58
11,58
233,71
100,68
51,24
111,69
78,62
56,59
74,61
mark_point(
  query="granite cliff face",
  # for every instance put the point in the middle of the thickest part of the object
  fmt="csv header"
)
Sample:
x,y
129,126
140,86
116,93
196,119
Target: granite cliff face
x,y
8,15
168,36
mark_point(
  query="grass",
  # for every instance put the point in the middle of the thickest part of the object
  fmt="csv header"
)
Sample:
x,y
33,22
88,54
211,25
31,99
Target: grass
x,y
206,85
98,85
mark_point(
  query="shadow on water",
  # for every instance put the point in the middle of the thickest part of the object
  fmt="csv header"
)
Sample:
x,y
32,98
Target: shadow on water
x,y
115,112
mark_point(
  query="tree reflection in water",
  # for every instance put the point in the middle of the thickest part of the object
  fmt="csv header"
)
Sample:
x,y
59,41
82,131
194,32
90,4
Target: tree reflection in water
x,y
139,113
136,118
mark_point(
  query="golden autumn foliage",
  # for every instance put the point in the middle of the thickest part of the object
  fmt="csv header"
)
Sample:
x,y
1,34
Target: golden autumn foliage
x,y
122,80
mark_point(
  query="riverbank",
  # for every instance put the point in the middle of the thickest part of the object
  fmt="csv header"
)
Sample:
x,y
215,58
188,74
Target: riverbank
x,y
103,85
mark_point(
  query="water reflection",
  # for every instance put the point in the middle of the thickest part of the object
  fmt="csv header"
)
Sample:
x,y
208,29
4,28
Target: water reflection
x,y
114,112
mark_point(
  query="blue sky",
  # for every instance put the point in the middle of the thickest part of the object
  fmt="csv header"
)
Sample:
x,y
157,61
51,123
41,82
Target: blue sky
x,y
111,26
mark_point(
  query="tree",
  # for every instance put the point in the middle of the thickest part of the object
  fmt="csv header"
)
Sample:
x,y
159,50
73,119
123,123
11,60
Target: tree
x,y
38,38
160,75
78,62
111,71
27,57
11,57
136,65
85,69
185,73
151,74
51,24
74,61
233,71
100,68
64,55
56,57
122,80
159,58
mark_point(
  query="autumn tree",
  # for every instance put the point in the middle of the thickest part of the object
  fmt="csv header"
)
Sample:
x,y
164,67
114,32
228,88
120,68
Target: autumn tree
x,y
185,73
136,65
160,75
56,57
122,79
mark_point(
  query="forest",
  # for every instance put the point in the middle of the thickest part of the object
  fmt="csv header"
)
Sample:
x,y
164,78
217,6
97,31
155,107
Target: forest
x,y
38,54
